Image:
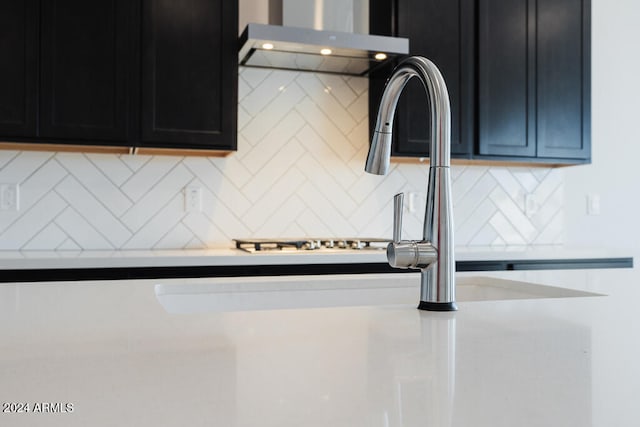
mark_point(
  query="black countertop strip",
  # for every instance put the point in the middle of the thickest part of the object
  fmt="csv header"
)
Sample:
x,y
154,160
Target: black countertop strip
x,y
123,273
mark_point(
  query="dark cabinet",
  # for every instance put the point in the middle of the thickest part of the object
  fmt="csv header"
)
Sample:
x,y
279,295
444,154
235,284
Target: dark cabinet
x,y
19,73
145,73
564,79
505,104
189,73
518,75
440,31
534,78
86,58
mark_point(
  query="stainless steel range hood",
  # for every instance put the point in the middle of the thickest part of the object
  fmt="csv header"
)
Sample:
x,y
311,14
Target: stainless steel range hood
x,y
320,50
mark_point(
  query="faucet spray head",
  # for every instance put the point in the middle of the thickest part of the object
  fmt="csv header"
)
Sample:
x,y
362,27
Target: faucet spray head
x,y
379,155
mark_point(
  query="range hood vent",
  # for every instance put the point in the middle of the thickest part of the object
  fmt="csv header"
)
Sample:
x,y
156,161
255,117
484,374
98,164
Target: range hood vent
x,y
305,49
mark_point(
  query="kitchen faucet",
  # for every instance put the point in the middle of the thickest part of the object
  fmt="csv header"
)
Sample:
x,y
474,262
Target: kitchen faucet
x,y
434,254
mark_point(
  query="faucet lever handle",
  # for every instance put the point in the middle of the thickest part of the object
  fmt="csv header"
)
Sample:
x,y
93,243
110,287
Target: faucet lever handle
x,y
398,203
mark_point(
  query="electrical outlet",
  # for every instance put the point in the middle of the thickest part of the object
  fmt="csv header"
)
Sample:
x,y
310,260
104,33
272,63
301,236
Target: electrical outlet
x,y
193,199
593,204
9,197
530,205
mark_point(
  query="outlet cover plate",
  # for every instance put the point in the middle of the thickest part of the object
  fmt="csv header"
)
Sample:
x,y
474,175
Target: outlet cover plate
x,y
10,197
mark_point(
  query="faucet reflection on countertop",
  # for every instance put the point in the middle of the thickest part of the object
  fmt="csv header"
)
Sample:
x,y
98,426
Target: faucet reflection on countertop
x,y
434,254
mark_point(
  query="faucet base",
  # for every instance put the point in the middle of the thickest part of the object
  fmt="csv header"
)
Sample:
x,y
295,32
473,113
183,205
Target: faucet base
x,y
437,306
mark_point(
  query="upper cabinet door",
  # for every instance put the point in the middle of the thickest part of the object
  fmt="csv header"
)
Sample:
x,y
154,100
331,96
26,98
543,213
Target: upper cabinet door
x,y
443,32
518,74
189,73
506,95
564,79
436,31
86,65
534,78
19,21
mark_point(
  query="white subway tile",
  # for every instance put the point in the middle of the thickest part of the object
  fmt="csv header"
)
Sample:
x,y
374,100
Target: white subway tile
x,y
94,181
312,226
526,179
322,180
359,109
49,238
486,235
279,221
513,213
177,238
31,222
506,231
111,166
263,96
271,143
21,166
243,89
467,230
134,161
167,218
549,209
261,124
316,201
547,186
157,197
465,206
510,185
322,96
243,119
326,129
553,232
93,211
7,156
466,181
358,84
209,176
224,213
359,137
270,201
81,232
280,166
148,176
40,183
69,245
205,230
339,88
253,76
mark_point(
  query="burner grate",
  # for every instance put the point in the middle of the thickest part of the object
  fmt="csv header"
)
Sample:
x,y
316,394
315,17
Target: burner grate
x,y
306,244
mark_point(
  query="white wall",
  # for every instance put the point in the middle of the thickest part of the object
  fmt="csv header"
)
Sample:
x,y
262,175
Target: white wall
x,y
615,171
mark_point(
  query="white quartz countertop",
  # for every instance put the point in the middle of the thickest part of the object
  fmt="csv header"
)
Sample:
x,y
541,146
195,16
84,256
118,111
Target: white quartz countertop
x,y
161,353
236,257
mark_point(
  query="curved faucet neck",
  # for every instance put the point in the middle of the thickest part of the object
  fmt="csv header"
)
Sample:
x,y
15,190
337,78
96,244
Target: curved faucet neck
x,y
436,91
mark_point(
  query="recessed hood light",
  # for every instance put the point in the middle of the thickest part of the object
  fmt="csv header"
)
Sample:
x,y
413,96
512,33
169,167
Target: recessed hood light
x,y
305,49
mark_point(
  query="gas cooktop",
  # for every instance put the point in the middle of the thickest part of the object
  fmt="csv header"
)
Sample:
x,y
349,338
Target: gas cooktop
x,y
309,244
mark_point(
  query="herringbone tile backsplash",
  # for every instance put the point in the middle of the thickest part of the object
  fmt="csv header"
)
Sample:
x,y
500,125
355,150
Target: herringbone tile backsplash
x,y
298,172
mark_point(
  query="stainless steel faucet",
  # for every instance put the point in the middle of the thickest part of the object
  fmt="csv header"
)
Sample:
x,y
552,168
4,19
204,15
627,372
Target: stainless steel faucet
x,y
433,255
